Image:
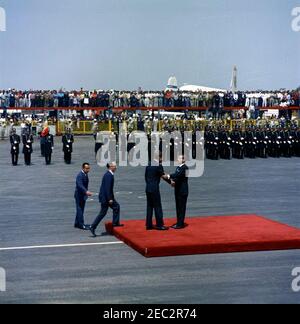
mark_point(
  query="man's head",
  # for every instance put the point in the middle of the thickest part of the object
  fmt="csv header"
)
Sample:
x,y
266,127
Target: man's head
x,y
112,167
181,159
86,168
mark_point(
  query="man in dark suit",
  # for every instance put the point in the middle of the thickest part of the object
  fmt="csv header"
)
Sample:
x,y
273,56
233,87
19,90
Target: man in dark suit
x,y
107,199
179,181
81,195
153,176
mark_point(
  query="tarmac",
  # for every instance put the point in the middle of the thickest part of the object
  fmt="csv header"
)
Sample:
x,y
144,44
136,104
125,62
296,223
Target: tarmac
x,y
48,261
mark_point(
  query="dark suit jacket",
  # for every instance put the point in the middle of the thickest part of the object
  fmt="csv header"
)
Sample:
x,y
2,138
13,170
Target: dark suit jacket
x,y
181,181
107,188
153,176
82,186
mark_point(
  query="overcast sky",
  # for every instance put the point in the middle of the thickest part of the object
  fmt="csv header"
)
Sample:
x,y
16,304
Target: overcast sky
x,y
126,44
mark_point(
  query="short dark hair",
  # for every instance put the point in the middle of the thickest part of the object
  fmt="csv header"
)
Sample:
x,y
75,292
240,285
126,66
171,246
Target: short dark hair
x,y
85,164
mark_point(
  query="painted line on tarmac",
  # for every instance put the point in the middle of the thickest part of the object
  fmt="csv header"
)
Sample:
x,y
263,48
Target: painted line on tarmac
x,y
58,246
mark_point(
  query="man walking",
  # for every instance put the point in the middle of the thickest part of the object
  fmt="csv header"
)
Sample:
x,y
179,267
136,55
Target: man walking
x,y
107,199
81,195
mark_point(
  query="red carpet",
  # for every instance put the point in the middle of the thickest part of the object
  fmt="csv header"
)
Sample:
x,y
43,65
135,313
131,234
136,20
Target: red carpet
x,y
205,235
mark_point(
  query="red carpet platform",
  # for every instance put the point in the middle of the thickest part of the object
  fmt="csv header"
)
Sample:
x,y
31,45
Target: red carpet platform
x,y
206,235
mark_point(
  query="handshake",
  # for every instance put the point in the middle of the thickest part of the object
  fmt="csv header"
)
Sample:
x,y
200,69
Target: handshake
x,y
168,179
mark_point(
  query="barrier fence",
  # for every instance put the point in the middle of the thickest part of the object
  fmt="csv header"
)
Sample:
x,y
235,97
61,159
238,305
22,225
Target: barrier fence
x,y
121,109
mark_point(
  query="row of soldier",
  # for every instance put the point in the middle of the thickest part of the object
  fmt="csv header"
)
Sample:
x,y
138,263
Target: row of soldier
x,y
219,143
46,146
251,143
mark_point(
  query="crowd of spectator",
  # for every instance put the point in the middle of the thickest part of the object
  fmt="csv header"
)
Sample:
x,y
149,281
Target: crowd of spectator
x,y
117,99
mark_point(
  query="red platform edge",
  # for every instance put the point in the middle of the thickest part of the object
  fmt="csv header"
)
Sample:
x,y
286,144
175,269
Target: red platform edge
x,y
271,236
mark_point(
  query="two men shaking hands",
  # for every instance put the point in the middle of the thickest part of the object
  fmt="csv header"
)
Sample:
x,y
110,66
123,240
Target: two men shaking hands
x,y
178,180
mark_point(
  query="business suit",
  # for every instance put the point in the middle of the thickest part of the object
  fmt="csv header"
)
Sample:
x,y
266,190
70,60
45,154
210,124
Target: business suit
x,y
181,192
105,196
82,186
152,176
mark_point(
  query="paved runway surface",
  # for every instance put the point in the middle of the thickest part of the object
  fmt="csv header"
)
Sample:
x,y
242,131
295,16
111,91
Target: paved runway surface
x,y
37,209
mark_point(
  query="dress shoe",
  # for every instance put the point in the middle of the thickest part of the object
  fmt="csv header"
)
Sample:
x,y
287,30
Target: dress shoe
x,y
150,228
83,227
118,225
93,231
177,227
162,228
79,227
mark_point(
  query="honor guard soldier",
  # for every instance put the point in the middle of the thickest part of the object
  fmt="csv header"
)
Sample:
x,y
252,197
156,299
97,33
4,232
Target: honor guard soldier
x,y
68,140
15,141
43,140
49,144
27,140
297,142
237,144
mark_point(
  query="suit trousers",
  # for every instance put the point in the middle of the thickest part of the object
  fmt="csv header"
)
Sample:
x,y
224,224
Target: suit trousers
x,y
104,209
154,204
80,206
181,203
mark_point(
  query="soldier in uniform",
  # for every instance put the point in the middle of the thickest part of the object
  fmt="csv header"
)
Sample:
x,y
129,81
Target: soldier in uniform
x,y
250,144
49,144
95,129
3,129
297,142
237,144
27,140
225,144
68,140
43,139
262,145
15,141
